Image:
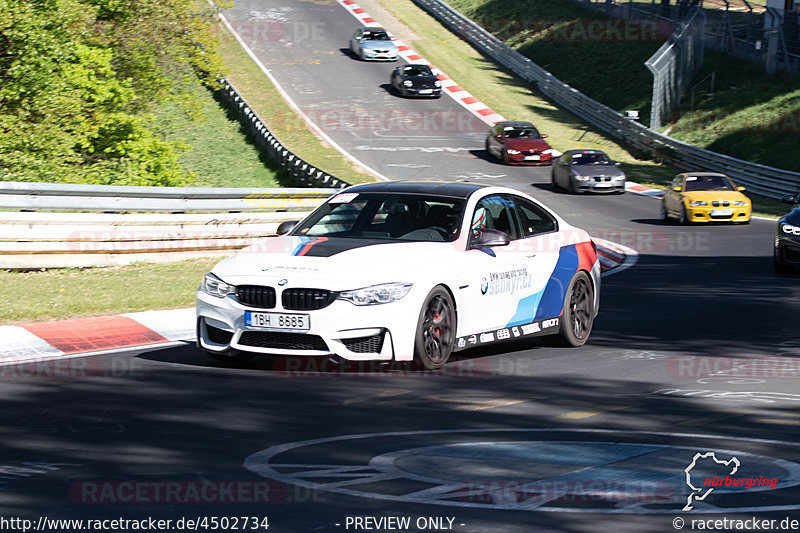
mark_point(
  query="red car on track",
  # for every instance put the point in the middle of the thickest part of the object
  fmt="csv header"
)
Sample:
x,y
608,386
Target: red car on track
x,y
519,143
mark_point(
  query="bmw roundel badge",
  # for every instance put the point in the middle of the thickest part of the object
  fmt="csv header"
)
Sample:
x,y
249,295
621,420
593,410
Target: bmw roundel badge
x,y
283,282
484,285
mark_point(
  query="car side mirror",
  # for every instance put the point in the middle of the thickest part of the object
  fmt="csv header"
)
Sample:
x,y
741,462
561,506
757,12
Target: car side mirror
x,y
740,189
617,164
498,136
789,199
286,226
544,136
486,237
676,189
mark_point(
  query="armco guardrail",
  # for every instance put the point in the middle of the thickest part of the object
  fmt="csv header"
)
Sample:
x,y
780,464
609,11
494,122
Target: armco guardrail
x,y
63,225
304,173
767,181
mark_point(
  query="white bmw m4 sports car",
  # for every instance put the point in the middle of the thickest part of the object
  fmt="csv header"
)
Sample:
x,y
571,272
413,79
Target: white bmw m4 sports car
x,y
404,271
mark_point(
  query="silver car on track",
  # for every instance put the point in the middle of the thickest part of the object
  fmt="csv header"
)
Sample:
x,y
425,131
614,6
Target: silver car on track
x,y
587,171
373,44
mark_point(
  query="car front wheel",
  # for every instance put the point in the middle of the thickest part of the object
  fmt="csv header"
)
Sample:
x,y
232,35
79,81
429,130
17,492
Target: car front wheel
x,y
578,317
436,330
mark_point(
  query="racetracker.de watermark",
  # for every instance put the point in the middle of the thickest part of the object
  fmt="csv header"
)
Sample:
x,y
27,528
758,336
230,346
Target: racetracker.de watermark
x,y
583,29
696,367
69,368
584,490
189,492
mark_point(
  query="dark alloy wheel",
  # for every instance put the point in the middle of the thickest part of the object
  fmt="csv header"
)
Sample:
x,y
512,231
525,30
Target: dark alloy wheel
x,y
436,330
578,316
684,218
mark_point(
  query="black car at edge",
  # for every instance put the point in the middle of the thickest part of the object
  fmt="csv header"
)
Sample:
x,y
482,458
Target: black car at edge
x,y
786,257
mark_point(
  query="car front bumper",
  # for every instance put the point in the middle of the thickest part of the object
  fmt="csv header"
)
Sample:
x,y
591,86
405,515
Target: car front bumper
x,y
357,333
717,214
389,56
520,159
601,187
787,250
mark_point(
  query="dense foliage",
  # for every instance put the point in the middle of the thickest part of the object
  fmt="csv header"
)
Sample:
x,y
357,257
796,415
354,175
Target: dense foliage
x,y
78,79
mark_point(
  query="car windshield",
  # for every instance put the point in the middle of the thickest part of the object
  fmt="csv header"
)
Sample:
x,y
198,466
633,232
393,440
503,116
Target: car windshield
x,y
376,36
520,132
590,158
708,183
386,216
417,70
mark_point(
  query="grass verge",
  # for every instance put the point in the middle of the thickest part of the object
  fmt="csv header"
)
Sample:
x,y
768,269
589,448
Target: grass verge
x,y
215,150
75,293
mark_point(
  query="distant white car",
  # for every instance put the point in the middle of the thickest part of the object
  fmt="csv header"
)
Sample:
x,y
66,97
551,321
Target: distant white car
x,y
373,44
404,271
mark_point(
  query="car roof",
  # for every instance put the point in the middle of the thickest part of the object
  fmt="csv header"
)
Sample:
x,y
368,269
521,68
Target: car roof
x,y
514,123
583,150
703,174
453,190
372,28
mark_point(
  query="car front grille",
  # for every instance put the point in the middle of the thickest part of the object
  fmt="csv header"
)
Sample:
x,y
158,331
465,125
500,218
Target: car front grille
x,y
306,299
370,344
256,296
218,336
283,341
716,203
602,178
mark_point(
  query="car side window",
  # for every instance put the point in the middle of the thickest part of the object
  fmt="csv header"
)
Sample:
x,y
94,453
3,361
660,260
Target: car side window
x,y
534,219
496,212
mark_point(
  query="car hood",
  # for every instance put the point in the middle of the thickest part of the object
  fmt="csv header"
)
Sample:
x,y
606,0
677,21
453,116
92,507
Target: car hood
x,y
792,217
710,196
381,45
423,81
527,144
598,170
335,264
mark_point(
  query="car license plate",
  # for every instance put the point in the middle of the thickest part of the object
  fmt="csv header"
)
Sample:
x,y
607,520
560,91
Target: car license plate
x,y
286,321
425,91
532,158
603,184
721,212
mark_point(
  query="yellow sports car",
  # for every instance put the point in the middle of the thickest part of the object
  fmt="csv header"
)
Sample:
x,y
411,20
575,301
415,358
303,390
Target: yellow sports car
x,y
705,197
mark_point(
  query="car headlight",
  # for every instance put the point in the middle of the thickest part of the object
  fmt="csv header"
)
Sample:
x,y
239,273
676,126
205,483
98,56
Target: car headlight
x,y
408,83
622,177
512,151
216,287
697,203
790,229
740,203
437,83
582,178
376,294
368,51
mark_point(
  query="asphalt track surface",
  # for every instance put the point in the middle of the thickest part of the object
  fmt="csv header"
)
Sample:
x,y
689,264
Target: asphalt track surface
x,y
627,406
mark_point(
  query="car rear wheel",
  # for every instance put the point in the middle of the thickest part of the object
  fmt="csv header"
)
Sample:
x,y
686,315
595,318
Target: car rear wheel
x,y
436,330
578,317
